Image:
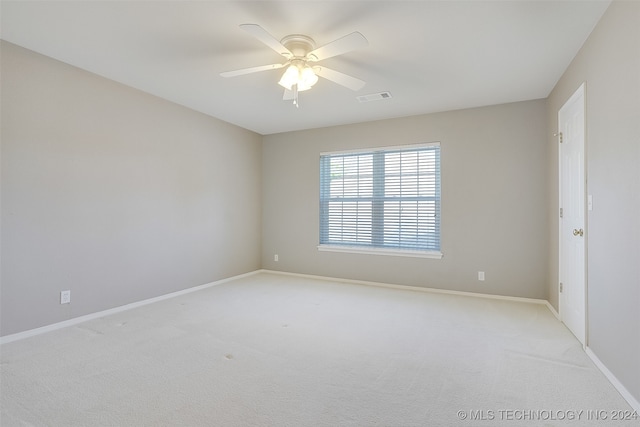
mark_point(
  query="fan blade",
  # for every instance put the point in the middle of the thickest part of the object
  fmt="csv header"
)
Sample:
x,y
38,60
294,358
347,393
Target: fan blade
x,y
261,34
345,44
252,70
339,78
288,95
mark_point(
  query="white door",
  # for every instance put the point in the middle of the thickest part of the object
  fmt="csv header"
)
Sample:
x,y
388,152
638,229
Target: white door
x,y
571,122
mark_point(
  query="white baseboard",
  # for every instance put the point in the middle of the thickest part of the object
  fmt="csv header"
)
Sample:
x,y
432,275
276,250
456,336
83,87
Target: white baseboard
x,y
76,320
55,326
614,381
612,378
416,288
552,310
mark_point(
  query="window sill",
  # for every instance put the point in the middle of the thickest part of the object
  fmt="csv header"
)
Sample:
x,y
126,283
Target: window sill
x,y
381,251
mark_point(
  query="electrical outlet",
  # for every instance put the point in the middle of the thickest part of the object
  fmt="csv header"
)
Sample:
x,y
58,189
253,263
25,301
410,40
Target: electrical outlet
x,y
481,276
275,257
65,297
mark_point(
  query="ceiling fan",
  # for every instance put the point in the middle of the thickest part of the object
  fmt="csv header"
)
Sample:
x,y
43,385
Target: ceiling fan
x,y
301,57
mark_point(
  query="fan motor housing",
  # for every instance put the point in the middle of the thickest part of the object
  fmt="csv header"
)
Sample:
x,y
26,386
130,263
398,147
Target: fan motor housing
x,y
298,44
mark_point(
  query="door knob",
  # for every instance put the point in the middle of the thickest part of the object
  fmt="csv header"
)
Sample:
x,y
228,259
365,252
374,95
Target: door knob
x,y
577,232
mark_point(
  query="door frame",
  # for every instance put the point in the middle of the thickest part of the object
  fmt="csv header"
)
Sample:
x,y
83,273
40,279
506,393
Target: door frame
x,y
580,91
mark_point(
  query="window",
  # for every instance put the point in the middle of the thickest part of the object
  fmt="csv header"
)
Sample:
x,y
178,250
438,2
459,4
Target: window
x,y
384,200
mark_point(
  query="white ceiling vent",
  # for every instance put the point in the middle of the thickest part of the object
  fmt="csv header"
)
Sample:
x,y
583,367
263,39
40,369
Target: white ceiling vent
x,y
374,97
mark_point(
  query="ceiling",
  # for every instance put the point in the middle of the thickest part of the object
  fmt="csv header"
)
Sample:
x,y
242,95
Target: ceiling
x,y
430,55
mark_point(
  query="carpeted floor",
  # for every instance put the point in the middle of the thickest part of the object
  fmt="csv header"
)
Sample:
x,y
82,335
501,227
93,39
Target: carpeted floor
x,y
275,350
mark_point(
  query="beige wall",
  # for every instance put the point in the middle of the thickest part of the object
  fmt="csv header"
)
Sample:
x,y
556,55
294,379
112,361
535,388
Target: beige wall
x,y
609,63
114,194
494,195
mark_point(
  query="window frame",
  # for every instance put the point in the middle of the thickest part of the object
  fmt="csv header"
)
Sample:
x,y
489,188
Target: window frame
x,y
376,249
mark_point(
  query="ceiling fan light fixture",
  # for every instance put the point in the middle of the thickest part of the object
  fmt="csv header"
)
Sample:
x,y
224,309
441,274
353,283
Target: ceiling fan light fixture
x,y
301,75
290,77
307,78
300,50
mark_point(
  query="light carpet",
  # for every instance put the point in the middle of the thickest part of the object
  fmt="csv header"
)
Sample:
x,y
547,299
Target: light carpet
x,y
275,350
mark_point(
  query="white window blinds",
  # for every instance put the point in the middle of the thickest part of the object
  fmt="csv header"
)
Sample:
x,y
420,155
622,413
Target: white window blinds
x,y
385,198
